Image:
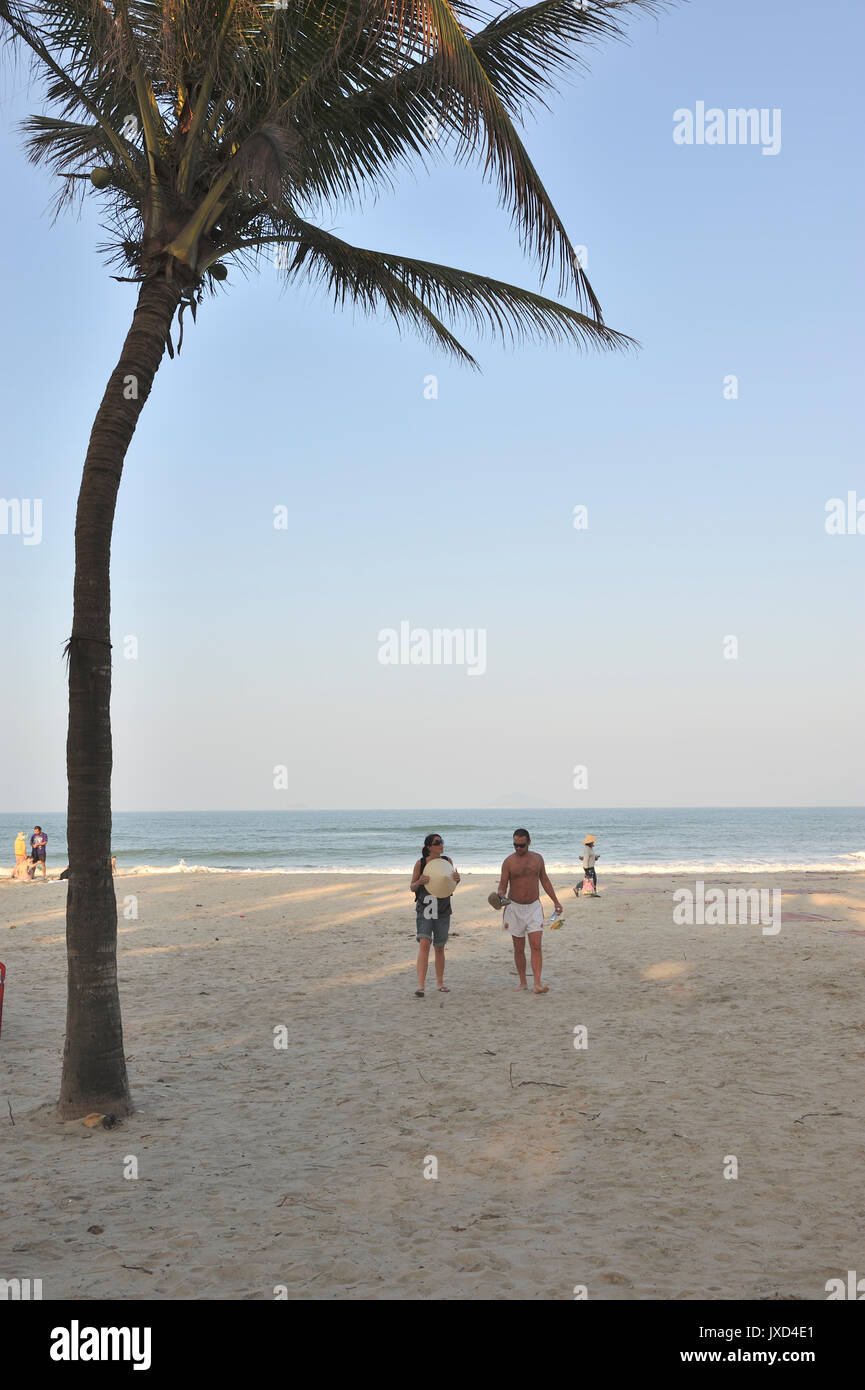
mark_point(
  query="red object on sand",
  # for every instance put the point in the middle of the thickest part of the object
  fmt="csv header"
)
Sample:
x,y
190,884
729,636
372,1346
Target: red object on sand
x,y
2,979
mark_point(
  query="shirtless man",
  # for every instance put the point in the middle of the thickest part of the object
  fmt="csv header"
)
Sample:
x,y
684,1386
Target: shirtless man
x,y
523,876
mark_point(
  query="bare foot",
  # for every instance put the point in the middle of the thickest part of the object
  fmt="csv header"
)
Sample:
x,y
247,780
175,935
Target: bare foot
x,y
443,989
519,987
542,989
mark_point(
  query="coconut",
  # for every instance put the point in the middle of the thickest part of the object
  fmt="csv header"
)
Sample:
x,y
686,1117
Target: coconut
x,y
99,177
219,271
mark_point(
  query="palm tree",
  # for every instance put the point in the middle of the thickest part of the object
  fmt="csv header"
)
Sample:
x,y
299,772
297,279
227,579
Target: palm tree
x,y
214,131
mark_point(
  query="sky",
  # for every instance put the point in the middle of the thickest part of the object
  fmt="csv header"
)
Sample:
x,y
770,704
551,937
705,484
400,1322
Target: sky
x,y
697,642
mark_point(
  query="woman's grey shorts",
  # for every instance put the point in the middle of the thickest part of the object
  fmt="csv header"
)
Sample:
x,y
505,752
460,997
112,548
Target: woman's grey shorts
x,y
435,929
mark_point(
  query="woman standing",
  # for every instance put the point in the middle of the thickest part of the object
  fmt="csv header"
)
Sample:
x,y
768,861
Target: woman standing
x,y
433,913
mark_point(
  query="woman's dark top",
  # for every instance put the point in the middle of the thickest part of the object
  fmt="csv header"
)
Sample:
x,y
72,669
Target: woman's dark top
x,y
444,904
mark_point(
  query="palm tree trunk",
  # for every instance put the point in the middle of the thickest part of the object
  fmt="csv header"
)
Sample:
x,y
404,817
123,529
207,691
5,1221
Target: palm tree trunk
x,y
94,1067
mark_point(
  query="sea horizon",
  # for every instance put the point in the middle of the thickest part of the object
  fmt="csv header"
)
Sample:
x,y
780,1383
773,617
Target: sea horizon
x,y
631,840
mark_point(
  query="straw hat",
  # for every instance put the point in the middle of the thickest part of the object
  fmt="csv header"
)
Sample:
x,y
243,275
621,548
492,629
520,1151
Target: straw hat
x,y
441,879
589,840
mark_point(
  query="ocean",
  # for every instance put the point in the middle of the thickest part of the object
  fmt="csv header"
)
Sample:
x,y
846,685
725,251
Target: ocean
x,y
690,841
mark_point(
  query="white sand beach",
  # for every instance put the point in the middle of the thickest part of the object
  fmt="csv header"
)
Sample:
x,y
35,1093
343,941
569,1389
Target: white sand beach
x,y
303,1167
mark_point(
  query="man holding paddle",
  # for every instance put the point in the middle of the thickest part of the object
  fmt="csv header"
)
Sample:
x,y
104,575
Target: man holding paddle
x,y
523,876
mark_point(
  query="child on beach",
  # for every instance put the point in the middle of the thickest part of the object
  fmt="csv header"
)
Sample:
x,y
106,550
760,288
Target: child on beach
x,y
589,857
24,869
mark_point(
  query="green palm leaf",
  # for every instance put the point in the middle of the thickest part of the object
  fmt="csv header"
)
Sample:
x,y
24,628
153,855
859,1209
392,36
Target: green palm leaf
x,y
523,51
422,292
249,117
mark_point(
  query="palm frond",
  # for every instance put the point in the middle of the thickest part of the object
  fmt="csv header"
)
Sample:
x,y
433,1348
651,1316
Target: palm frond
x,y
525,50
231,124
91,95
372,279
462,89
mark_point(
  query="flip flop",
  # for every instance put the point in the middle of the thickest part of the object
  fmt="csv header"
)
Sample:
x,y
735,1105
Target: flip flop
x,y
418,994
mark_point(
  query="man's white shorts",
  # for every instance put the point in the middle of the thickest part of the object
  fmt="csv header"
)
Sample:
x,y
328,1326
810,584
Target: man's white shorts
x,y
523,917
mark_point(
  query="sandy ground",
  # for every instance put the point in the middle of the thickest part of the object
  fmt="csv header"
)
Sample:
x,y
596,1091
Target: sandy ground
x,y
303,1167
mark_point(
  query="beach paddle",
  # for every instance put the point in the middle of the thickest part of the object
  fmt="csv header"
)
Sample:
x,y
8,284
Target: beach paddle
x,y
497,902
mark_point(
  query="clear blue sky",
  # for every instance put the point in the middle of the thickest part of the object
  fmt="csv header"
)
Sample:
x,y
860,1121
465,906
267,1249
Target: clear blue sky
x,y
259,647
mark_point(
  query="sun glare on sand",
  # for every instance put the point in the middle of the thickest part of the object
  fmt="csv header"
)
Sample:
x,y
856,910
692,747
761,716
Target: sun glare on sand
x,y
665,970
